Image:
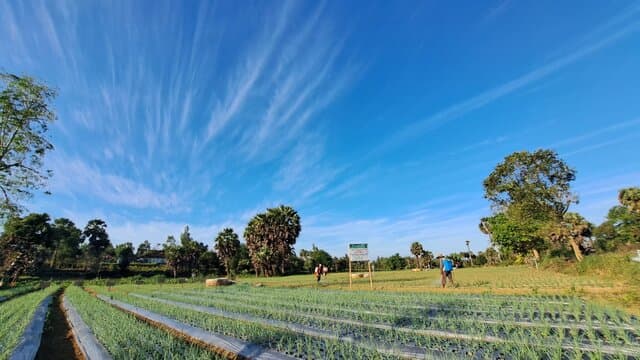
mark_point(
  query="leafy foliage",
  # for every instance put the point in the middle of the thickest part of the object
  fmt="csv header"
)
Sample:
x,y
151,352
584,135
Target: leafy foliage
x,y
270,237
227,246
630,198
418,251
529,193
25,115
24,245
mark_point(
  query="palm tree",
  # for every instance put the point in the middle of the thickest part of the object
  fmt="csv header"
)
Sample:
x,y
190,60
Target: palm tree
x,y
417,251
227,246
270,238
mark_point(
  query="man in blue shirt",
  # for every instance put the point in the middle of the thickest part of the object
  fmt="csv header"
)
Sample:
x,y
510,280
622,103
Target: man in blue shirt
x,y
446,270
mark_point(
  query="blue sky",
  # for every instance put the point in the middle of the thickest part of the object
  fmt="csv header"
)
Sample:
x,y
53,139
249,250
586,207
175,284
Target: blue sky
x,y
377,121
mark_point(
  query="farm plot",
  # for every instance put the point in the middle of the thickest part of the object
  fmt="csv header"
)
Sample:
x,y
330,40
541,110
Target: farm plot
x,y
15,315
418,325
22,288
126,337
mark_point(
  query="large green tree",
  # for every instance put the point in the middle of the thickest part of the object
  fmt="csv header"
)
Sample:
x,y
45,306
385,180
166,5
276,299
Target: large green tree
x,y
528,191
95,233
67,239
25,115
227,244
24,245
270,237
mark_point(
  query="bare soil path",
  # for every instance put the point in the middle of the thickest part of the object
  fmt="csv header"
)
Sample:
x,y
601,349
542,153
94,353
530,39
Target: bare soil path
x,y
58,342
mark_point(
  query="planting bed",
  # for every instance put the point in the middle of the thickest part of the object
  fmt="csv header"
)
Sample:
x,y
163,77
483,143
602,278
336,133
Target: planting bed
x,y
125,337
21,323
343,324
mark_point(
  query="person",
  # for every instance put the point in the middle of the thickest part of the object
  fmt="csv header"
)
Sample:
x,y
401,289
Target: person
x,y
446,270
317,272
325,271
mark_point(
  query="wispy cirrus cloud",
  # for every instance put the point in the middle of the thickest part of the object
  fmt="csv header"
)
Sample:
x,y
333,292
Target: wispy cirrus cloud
x,y
417,128
436,230
73,176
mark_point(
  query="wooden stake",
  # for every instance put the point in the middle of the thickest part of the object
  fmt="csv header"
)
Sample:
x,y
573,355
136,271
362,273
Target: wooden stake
x,y
370,276
350,273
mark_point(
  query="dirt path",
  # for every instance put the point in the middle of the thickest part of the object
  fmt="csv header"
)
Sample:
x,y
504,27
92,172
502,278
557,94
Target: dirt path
x,y
57,339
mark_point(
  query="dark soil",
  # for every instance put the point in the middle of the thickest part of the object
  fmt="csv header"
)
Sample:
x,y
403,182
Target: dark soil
x,y
58,342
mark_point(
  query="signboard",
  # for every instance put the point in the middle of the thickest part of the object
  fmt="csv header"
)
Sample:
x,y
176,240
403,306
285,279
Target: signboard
x,y
358,252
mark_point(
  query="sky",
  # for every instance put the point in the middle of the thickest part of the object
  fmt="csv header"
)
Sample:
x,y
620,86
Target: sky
x,y
377,121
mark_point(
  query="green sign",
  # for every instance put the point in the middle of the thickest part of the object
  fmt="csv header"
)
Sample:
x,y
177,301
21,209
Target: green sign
x,y
358,252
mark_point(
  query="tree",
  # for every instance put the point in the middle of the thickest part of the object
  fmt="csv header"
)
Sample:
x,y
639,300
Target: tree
x,y
527,191
622,226
97,241
572,230
67,239
24,245
227,245
24,119
208,263
124,255
313,257
190,251
270,237
417,250
630,198
172,254
143,249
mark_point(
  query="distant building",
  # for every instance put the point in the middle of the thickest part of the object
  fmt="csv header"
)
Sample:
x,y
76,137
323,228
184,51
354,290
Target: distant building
x,y
153,257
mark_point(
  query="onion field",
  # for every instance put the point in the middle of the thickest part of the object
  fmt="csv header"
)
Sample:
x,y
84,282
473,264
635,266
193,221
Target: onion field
x,y
320,324
189,321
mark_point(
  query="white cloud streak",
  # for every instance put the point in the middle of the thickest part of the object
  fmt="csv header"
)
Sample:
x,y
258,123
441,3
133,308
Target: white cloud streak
x,y
418,128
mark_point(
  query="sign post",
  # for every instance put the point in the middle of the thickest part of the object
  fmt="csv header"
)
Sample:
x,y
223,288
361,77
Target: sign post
x,y
359,252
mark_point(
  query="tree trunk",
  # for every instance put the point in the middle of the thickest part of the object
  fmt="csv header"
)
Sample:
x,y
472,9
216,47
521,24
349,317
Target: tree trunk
x,y
536,254
53,258
576,249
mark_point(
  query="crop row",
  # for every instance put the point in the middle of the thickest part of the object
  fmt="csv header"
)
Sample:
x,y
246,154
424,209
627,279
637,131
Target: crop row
x,y
540,309
286,341
126,337
425,337
416,323
396,312
434,343
15,315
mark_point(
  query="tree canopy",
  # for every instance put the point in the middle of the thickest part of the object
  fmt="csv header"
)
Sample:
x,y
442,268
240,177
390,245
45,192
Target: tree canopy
x,y
270,237
529,192
25,115
227,244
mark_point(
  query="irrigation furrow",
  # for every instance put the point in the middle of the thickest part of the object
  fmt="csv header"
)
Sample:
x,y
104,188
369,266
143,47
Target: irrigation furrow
x,y
612,350
90,347
226,343
407,352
